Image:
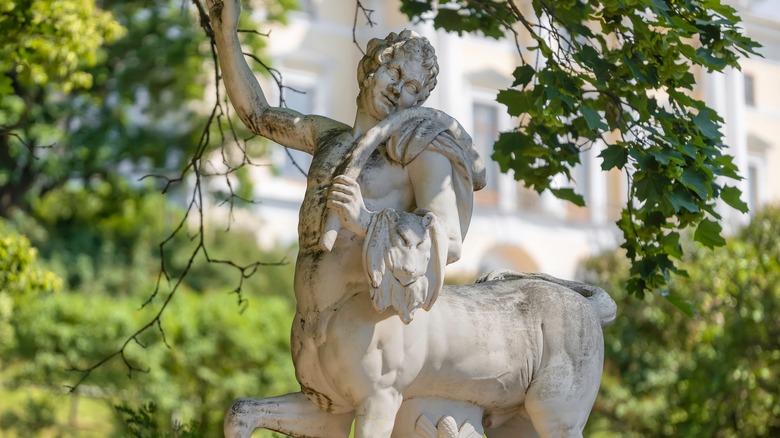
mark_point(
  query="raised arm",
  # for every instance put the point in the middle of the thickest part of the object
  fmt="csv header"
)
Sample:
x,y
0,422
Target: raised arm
x,y
282,125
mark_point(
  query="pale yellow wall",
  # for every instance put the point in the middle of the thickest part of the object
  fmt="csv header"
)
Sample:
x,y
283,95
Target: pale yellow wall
x,y
766,80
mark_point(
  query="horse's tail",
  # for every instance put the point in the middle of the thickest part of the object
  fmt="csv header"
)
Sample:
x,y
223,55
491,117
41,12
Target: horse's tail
x,y
602,303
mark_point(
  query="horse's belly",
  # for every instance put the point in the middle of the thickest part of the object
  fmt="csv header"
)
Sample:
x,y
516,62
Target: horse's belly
x,y
480,353
488,392
492,373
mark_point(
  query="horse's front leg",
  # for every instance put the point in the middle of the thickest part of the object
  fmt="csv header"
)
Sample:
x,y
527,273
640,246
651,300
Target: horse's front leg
x,y
291,414
375,416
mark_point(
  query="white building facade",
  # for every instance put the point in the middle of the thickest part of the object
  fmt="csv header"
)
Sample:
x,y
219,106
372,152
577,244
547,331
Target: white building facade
x,y
512,227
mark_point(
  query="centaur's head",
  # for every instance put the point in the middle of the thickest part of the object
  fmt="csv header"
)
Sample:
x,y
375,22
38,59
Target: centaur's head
x,y
397,72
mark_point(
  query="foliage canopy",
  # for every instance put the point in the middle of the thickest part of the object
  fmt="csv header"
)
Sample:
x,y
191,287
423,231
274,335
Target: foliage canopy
x,y
617,75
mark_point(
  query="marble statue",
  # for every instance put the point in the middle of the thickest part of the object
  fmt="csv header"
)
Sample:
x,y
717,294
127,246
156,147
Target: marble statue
x,y
377,338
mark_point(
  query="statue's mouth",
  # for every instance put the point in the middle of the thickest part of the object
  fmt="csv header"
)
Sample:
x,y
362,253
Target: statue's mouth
x,y
389,101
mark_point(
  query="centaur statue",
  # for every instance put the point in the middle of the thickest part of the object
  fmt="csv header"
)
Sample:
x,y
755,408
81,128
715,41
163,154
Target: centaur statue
x,y
377,339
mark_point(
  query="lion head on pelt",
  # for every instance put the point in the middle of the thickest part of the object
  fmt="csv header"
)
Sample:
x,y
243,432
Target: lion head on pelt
x,y
404,255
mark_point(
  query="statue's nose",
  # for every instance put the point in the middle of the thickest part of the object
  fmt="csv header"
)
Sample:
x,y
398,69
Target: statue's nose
x,y
395,87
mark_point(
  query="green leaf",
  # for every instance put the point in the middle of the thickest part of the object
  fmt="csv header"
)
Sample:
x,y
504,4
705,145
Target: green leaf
x,y
593,118
414,8
681,198
523,75
731,195
679,303
614,156
569,195
711,59
706,125
659,5
650,186
695,181
516,101
671,244
667,155
708,234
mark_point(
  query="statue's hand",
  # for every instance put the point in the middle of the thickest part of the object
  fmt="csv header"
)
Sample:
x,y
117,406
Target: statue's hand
x,y
345,199
224,14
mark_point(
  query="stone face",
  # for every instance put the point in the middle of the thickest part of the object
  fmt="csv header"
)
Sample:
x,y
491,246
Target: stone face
x,y
377,338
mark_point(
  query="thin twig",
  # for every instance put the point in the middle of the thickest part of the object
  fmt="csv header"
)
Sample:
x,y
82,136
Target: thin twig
x,y
369,21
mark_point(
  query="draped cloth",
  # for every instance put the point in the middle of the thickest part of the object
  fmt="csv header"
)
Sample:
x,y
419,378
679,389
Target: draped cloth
x,y
453,142
404,254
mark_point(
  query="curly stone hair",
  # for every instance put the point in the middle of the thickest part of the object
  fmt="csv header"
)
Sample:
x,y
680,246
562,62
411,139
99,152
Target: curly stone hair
x,y
409,43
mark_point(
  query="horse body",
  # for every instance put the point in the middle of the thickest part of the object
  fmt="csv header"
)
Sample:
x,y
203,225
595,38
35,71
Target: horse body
x,y
524,351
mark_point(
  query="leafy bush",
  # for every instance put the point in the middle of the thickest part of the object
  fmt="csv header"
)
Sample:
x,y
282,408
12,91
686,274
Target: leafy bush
x,y
711,374
104,241
21,280
216,353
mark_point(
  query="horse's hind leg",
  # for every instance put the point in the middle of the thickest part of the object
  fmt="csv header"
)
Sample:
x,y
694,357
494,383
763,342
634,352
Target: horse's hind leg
x,y
561,396
291,414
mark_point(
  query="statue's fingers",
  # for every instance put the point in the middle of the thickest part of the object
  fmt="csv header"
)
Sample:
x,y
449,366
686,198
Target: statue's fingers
x,y
336,188
344,179
342,188
338,207
341,197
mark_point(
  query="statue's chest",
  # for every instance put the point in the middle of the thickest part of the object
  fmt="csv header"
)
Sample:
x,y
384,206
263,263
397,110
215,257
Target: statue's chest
x,y
385,183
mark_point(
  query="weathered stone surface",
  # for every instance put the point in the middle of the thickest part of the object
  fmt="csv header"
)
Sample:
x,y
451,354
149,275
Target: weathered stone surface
x,y
377,337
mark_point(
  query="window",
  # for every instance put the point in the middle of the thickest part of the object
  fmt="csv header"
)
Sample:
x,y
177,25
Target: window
x,y
750,92
582,185
752,194
308,8
484,135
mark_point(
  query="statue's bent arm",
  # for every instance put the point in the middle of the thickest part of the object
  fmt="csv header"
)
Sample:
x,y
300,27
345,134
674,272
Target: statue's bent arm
x,y
431,177
282,125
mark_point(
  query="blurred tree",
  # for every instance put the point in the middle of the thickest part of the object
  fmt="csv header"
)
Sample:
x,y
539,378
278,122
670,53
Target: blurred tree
x,y
52,42
712,374
101,239
105,240
21,280
46,51
86,93
72,141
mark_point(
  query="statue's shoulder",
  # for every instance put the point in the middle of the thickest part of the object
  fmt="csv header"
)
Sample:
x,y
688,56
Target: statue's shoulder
x,y
427,129
328,131
422,127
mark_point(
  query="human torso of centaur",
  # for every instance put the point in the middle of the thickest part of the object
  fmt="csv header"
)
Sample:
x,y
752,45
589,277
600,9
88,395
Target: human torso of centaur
x,y
322,278
326,280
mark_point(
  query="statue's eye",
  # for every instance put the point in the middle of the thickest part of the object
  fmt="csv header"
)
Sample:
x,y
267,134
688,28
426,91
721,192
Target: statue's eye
x,y
411,87
394,73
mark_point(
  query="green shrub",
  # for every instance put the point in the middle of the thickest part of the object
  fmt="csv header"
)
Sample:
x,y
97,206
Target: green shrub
x,y
711,374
